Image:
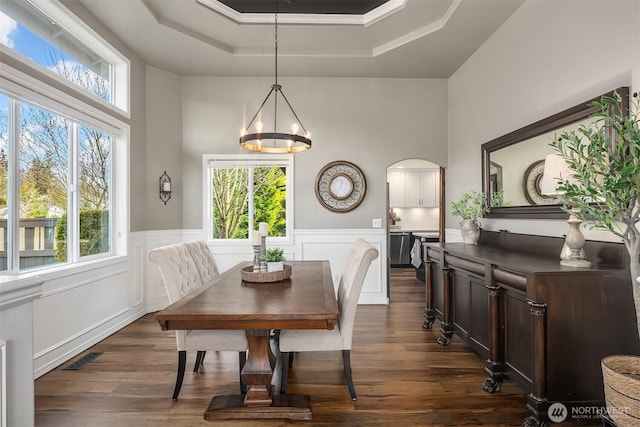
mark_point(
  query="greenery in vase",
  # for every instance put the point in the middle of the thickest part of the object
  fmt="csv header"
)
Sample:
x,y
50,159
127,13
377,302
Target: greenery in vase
x,y
605,156
274,255
471,205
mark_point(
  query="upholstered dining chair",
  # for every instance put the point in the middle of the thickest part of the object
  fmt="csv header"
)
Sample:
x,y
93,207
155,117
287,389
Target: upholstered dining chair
x,y
181,276
208,270
340,338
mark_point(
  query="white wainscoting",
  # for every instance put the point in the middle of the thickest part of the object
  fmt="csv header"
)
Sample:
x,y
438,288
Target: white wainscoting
x,y
308,244
141,243
334,245
452,235
80,307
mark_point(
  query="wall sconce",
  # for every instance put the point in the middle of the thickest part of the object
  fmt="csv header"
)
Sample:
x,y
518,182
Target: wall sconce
x,y
165,187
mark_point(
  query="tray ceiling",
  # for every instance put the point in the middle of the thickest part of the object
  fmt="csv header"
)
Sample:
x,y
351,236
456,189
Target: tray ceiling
x,y
393,38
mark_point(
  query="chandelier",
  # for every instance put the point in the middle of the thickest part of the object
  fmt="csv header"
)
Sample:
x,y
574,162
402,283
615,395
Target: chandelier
x,y
275,142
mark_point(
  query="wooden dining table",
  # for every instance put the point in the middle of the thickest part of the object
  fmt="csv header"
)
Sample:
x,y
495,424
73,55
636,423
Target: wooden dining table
x,y
305,300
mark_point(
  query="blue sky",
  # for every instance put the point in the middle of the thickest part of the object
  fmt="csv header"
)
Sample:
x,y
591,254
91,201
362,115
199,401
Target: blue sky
x,y
25,42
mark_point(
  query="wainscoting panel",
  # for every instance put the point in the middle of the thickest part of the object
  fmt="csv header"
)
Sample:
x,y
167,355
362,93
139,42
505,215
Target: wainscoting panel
x,y
79,309
334,245
141,243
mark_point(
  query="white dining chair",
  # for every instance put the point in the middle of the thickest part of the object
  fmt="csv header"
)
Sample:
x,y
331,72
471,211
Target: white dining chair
x,y
340,338
208,270
181,277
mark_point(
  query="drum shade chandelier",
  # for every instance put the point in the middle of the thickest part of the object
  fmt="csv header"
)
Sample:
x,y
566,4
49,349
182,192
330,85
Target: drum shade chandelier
x,y
275,142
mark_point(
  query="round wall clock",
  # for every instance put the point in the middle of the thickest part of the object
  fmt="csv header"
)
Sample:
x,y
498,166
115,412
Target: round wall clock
x,y
340,186
532,180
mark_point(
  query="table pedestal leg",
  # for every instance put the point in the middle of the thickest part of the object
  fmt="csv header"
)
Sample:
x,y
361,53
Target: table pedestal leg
x,y
258,371
259,402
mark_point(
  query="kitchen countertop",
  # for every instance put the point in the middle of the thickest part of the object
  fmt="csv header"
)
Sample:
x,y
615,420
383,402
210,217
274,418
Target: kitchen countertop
x,y
417,233
428,234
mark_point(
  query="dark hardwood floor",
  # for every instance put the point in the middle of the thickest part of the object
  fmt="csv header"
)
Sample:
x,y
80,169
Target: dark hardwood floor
x,y
402,377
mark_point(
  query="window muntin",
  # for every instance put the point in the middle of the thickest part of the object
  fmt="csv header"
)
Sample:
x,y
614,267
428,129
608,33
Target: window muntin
x,y
243,191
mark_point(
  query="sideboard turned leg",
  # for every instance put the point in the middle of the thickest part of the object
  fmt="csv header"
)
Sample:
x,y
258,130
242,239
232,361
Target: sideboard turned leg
x,y
494,365
446,328
429,312
537,401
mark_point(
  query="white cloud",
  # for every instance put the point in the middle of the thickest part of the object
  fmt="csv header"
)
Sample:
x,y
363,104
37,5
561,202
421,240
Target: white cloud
x,y
7,25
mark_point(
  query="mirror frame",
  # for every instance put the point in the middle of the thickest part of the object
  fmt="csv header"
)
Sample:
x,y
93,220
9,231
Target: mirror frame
x,y
551,123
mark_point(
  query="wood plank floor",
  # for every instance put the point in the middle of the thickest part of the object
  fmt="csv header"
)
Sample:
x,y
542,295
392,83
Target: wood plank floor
x,y
402,378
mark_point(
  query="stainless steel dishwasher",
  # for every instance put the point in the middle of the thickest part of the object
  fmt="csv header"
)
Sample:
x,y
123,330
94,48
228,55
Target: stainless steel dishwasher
x,y
400,248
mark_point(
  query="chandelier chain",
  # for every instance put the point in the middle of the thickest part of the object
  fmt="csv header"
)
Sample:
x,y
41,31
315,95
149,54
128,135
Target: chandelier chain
x,y
277,88
280,142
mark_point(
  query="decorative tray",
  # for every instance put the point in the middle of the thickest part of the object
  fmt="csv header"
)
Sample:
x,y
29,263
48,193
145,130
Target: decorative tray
x,y
248,275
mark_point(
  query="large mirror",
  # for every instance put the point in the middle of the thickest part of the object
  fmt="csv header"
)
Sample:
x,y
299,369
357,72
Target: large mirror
x,y
513,163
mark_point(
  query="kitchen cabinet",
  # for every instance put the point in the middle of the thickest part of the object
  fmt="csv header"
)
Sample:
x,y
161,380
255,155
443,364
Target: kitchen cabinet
x,y
396,182
413,189
420,189
542,325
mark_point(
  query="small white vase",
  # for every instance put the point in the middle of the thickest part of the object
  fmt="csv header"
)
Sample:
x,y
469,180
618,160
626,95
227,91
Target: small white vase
x,y
275,266
470,230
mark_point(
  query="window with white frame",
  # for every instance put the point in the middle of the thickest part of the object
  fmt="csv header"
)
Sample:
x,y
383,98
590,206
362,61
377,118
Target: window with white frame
x,y
43,34
243,190
59,157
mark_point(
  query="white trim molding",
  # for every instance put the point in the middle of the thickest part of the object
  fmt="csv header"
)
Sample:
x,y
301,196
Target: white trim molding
x,y
334,245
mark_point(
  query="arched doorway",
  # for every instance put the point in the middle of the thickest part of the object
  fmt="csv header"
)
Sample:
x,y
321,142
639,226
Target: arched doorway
x,y
414,213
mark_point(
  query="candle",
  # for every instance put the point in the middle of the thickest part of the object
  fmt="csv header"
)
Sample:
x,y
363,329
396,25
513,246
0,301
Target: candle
x,y
256,238
166,186
264,228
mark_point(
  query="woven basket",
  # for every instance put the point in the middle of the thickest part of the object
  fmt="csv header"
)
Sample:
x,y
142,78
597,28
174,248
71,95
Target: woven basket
x,y
621,375
248,275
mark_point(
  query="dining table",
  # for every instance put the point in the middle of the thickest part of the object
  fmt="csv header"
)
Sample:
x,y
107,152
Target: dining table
x,y
304,300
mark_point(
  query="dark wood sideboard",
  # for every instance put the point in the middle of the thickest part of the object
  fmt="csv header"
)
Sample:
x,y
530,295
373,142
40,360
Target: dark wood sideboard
x,y
542,325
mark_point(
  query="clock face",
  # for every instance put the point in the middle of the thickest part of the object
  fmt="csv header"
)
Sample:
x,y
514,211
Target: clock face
x,y
340,186
532,180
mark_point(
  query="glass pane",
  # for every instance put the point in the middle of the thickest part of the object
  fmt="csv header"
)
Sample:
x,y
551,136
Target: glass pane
x,y
4,141
29,32
44,153
270,198
230,203
95,183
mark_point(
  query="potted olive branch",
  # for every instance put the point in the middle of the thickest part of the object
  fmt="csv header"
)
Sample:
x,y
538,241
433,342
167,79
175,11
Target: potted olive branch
x,y
471,206
605,189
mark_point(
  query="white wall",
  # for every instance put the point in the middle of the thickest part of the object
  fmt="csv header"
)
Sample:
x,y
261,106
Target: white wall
x,y
550,55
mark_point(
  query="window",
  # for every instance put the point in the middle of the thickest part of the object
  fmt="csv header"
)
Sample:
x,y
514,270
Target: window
x,y
45,35
60,158
55,156
244,190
